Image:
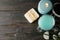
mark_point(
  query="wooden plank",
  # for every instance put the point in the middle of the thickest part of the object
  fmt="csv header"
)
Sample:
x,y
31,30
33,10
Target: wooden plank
x,y
16,4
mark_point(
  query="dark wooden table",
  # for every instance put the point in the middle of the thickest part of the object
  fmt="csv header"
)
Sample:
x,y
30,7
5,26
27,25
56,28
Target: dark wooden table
x,y
13,25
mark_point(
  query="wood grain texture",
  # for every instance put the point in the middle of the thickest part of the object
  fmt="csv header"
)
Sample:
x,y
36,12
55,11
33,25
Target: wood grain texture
x,y
13,25
12,20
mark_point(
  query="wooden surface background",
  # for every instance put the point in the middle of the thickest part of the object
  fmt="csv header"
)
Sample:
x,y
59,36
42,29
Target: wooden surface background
x,y
13,25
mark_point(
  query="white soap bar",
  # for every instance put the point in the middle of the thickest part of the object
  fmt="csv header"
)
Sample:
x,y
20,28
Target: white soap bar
x,y
59,34
55,37
46,35
31,15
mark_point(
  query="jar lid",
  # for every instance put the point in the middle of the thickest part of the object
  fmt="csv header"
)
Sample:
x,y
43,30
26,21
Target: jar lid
x,y
44,6
46,22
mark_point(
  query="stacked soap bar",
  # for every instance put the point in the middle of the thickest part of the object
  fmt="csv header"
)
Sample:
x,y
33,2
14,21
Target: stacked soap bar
x,y
31,15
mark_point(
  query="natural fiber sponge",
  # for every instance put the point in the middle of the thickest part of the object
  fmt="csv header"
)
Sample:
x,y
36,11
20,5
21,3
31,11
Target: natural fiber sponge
x,y
46,22
44,6
31,15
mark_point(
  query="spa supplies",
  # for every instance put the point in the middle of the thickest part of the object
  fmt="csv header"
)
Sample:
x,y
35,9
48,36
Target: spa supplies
x,y
46,22
44,6
31,15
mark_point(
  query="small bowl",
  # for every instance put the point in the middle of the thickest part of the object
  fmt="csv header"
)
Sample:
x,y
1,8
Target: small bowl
x,y
56,9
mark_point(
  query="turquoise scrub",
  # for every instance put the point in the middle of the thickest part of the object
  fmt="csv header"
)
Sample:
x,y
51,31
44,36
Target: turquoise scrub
x,y
46,22
44,6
